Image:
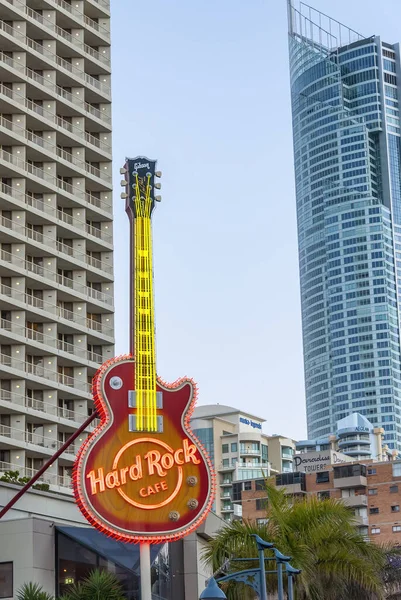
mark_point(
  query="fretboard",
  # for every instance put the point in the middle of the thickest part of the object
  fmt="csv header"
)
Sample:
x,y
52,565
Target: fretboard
x,y
144,324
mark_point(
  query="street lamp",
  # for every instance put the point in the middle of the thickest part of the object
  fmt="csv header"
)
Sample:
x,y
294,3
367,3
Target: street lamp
x,y
212,591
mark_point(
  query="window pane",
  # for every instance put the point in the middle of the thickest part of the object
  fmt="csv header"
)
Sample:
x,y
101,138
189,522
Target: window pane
x,y
397,469
6,580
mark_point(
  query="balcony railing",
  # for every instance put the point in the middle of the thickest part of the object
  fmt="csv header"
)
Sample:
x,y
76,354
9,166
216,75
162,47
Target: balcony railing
x,y
50,307
39,371
8,257
40,405
244,450
42,20
50,478
28,333
38,108
65,313
37,203
33,437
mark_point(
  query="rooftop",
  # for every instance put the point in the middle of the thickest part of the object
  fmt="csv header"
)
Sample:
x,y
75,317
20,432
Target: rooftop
x,y
208,411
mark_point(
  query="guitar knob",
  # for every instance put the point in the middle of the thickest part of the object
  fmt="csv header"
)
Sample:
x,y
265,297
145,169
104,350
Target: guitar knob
x,y
174,515
116,383
192,481
192,504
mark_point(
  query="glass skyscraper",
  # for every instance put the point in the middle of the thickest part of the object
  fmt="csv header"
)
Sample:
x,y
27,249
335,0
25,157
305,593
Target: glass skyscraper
x,y
345,91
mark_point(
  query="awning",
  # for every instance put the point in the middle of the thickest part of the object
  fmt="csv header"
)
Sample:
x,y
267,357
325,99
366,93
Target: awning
x,y
121,553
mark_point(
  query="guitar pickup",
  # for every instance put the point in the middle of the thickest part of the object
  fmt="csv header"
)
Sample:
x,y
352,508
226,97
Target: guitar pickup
x,y
132,424
132,399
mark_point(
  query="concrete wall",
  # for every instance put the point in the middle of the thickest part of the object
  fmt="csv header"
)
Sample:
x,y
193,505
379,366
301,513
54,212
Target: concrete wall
x,y
29,545
46,505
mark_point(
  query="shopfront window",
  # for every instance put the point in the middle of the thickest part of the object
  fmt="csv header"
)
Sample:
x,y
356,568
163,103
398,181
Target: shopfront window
x,y
75,561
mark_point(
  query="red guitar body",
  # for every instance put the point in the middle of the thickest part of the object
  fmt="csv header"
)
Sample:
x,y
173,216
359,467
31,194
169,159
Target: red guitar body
x,y
141,485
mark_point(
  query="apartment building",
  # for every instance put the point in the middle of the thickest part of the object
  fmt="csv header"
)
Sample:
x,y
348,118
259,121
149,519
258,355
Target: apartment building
x,y
354,436
240,452
371,490
56,255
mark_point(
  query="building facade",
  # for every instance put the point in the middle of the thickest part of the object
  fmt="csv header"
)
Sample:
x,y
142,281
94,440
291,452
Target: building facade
x,y
354,436
240,451
345,92
46,540
371,489
56,260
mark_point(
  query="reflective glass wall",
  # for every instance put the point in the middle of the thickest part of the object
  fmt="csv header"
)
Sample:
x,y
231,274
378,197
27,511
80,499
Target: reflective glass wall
x,y
345,93
82,550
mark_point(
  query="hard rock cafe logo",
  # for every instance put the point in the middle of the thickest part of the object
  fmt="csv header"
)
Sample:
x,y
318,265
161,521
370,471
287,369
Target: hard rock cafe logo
x,y
154,462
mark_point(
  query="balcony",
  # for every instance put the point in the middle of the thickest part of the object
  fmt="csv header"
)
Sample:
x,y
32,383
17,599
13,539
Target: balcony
x,y
350,476
17,69
50,478
99,327
52,276
37,405
28,333
293,483
226,482
54,152
350,482
226,467
355,501
227,508
83,107
37,370
361,521
58,215
24,439
64,36
47,307
244,451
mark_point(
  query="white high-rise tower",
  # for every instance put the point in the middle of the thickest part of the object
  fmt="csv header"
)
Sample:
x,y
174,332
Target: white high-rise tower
x,y
56,263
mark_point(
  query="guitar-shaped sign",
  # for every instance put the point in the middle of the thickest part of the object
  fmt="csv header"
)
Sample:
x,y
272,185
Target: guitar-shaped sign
x,y
142,476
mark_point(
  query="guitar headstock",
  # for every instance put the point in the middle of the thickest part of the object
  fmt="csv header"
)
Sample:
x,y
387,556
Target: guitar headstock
x,y
139,182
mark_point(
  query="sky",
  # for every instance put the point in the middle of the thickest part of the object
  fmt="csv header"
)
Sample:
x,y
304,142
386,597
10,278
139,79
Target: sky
x,y
203,86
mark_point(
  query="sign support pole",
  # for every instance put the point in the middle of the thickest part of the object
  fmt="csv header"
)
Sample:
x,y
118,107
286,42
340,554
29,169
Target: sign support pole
x,y
145,573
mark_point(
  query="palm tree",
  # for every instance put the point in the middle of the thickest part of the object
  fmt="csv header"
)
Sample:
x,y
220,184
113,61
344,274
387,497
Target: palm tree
x,y
98,585
32,591
323,541
392,573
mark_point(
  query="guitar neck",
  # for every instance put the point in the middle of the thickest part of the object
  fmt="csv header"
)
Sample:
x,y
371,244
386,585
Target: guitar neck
x,y
143,345
144,326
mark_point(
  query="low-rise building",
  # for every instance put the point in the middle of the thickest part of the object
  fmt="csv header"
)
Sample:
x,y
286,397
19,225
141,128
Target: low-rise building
x,y
355,436
371,489
240,452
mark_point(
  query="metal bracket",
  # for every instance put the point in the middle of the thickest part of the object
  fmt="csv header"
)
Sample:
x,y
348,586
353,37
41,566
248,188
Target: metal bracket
x,y
250,577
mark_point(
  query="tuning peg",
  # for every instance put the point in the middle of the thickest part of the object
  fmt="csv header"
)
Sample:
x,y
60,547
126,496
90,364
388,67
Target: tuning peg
x,y
158,186
123,195
123,171
158,198
123,183
158,173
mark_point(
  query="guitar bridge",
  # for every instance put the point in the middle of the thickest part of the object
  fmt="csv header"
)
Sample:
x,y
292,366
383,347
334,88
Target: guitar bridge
x,y
133,427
